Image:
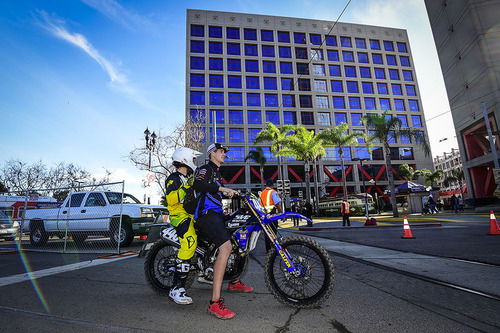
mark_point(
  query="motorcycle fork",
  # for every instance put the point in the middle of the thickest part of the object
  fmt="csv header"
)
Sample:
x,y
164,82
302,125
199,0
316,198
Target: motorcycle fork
x,y
285,256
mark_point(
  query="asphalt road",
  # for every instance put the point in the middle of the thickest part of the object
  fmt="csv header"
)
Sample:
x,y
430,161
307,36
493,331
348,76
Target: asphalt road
x,y
112,296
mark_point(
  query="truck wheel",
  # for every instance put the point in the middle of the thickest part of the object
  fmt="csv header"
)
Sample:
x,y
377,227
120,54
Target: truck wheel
x,y
38,236
124,235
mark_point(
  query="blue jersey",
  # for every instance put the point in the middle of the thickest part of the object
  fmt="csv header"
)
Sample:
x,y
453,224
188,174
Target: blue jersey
x,y
207,180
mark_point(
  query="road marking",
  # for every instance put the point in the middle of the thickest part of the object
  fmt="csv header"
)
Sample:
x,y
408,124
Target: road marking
x,y
8,280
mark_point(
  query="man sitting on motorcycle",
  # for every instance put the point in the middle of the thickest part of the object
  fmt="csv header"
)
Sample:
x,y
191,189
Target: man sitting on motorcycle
x,y
209,217
176,185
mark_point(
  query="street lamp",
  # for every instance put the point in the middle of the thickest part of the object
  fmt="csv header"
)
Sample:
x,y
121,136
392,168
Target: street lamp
x,y
150,139
364,188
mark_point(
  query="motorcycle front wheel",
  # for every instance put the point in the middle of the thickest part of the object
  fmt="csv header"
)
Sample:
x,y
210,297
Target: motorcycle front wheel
x,y
311,284
159,267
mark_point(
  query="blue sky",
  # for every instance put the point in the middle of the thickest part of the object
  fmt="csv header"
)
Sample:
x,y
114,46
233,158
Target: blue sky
x,y
81,80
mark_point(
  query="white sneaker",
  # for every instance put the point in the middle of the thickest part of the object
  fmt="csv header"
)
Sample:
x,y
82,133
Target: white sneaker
x,y
202,279
179,296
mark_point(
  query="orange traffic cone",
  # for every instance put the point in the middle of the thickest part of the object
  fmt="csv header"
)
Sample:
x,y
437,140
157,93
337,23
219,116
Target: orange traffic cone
x,y
407,231
494,228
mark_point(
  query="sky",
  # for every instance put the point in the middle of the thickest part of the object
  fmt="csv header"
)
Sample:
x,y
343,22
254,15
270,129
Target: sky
x,y
82,79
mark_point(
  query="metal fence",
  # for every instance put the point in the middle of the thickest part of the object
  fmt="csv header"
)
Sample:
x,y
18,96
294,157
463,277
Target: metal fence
x,y
93,219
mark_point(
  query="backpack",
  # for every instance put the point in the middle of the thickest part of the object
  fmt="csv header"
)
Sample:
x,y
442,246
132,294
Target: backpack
x,y
191,199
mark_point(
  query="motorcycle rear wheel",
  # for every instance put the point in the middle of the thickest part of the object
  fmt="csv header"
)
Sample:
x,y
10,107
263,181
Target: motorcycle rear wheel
x,y
315,282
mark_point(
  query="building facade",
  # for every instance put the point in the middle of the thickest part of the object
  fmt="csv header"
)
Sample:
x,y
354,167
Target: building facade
x,y
448,162
244,70
467,37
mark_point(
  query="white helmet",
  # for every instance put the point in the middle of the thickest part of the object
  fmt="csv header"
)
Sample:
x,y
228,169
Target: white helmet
x,y
186,156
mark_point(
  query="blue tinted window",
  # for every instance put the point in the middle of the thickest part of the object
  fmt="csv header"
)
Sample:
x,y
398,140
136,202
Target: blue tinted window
x,y
334,70
234,65
232,33
340,118
268,67
396,89
374,44
356,119
337,86
197,80
236,135
215,64
252,82
235,117
305,101
360,43
382,88
394,74
331,40
307,118
288,101
385,104
287,83
250,34
377,59
290,118
352,87
216,81
315,39
407,75
302,68
338,102
416,120
388,45
355,103
216,98
300,53
410,90
252,66
286,68
379,73
273,117
270,83
215,32
268,154
266,35
399,105
405,61
268,51
219,116
402,47
350,71
370,103
283,37
254,117
413,105
237,154
363,58
197,116
252,134
348,56
253,99
345,42
299,37
234,81
403,138
367,87
197,63
365,72
233,48
333,55
196,98
235,99
402,118
251,50
285,52
362,152
304,84
197,30
220,135
197,46
391,59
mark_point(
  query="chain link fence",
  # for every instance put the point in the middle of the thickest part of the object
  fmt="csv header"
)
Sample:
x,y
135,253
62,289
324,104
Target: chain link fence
x,y
93,219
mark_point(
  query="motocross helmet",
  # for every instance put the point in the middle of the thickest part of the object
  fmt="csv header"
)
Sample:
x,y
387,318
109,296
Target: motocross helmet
x,y
185,156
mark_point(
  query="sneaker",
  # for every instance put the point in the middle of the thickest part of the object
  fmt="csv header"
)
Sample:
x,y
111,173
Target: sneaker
x,y
219,310
179,296
202,279
238,286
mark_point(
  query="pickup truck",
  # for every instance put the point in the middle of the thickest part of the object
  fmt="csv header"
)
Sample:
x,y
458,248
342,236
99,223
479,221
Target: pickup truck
x,y
93,213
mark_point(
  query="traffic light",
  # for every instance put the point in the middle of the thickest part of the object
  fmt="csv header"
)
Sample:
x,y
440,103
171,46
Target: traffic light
x,y
286,186
279,185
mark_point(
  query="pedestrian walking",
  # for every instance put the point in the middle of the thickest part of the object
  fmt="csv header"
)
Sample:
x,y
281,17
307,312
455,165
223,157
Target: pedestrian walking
x,y
345,211
454,203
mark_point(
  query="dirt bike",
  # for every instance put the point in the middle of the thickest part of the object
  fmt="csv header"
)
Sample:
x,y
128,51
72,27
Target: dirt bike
x,y
299,272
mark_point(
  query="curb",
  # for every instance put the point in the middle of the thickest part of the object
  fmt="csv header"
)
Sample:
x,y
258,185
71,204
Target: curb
x,y
368,227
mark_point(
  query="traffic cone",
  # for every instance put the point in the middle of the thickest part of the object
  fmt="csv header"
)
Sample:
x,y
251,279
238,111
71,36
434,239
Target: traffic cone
x,y
494,228
407,231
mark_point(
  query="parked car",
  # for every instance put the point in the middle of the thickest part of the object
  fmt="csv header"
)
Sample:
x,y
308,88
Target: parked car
x,y
8,228
93,213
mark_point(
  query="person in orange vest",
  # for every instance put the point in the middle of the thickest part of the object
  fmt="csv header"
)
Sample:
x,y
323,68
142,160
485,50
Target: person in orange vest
x,y
345,211
271,201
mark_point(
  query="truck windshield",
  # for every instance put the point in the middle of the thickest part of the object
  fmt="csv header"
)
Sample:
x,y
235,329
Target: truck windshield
x,y
115,198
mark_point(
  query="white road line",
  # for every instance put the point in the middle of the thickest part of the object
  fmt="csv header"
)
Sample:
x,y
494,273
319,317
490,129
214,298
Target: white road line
x,y
5,281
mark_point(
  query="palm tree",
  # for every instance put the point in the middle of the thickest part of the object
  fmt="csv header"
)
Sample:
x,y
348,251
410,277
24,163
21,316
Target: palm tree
x,y
456,177
339,137
277,137
306,146
384,129
258,156
408,173
432,177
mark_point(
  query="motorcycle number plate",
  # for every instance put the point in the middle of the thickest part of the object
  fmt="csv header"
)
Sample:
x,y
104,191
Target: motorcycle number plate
x,y
170,234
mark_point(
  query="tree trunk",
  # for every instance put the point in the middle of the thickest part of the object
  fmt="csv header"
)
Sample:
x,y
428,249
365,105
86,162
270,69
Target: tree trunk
x,y
316,189
308,185
262,175
344,182
390,177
